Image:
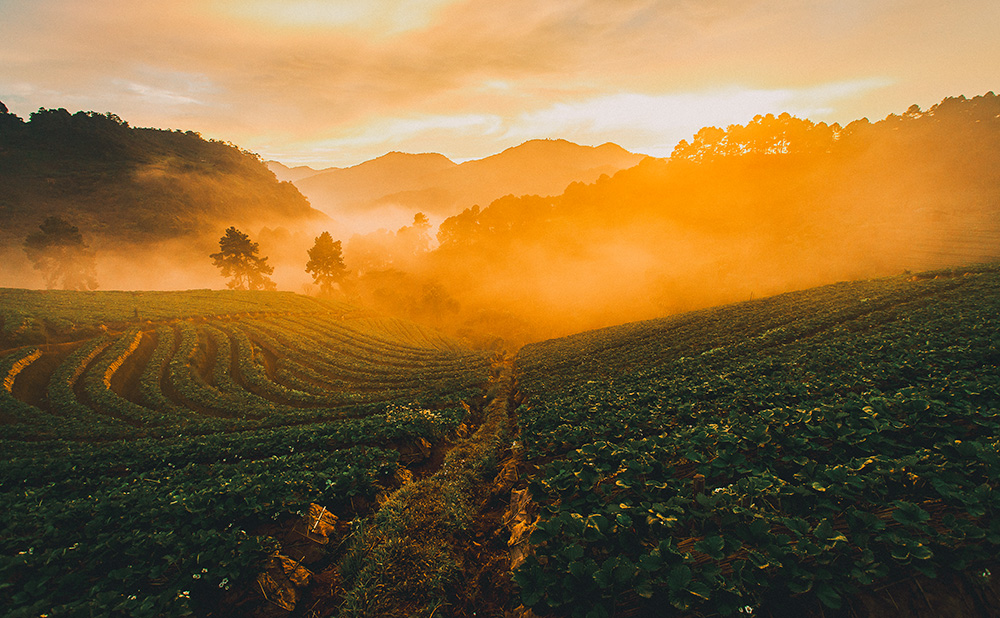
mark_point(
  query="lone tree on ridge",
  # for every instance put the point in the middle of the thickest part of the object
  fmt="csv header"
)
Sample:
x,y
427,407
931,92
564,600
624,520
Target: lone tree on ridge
x,y
237,259
57,249
326,263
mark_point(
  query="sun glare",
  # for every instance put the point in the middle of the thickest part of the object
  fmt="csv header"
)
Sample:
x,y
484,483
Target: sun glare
x,y
382,17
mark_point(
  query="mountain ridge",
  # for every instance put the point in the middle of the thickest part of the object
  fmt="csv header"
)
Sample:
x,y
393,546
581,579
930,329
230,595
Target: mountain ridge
x,y
432,183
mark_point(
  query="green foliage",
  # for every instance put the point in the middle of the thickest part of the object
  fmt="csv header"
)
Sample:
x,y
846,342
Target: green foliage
x,y
764,135
136,502
806,444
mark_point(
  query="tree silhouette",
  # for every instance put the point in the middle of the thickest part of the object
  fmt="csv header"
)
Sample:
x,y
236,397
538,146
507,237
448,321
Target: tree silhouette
x,y
326,263
237,258
414,239
58,250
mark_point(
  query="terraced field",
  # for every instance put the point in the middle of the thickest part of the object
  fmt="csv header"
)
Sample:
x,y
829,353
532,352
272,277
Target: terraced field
x,y
796,449
162,449
193,453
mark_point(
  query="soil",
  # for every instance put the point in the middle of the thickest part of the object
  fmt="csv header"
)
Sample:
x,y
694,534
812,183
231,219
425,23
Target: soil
x,y
30,384
125,381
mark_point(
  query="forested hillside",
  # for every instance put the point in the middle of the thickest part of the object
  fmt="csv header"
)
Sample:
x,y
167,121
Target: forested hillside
x,y
780,203
123,185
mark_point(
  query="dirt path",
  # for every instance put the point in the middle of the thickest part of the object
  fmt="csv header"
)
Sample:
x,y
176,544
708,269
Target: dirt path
x,y
30,385
437,546
125,381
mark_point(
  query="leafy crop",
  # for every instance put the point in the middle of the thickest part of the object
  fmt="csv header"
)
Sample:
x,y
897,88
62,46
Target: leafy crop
x,y
148,470
807,444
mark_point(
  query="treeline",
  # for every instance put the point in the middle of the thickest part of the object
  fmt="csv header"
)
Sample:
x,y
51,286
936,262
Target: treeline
x,y
123,185
777,204
770,162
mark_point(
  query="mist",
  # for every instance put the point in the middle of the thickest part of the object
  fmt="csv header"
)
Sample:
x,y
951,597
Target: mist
x,y
180,263
749,211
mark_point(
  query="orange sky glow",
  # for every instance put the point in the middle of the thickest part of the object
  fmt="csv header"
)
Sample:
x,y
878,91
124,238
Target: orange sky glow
x,y
333,83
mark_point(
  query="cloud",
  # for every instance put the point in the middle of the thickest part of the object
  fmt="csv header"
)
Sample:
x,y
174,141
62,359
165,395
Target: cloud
x,y
164,90
469,77
646,123
411,134
156,96
653,124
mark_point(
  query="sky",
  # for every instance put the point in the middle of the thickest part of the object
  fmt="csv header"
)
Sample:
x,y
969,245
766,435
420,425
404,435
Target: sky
x,y
338,82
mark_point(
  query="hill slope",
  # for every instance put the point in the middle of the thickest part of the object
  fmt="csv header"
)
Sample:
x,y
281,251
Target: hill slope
x,y
359,187
123,185
774,454
291,174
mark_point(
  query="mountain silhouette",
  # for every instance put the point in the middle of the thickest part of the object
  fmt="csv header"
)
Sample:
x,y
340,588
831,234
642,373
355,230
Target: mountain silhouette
x,y
433,184
291,174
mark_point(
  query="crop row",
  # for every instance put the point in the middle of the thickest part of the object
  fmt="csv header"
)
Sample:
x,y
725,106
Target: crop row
x,y
19,412
724,330
357,341
136,494
138,543
97,386
27,315
853,433
359,368
402,332
15,364
60,392
152,379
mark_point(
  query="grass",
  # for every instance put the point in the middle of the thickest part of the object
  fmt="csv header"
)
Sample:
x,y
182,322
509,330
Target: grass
x,y
410,559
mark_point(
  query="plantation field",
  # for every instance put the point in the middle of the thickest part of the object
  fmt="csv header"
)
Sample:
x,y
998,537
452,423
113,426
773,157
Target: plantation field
x,y
152,455
37,316
793,449
174,454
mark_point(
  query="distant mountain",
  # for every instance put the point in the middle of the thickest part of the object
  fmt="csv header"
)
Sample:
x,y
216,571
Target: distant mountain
x,y
291,174
778,204
438,186
360,187
122,185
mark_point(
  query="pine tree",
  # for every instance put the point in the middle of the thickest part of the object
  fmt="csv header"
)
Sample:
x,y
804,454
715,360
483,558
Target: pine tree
x,y
326,263
238,260
58,250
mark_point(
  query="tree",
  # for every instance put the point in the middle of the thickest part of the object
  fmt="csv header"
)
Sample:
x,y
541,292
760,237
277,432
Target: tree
x,y
415,239
237,258
326,263
382,249
58,250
